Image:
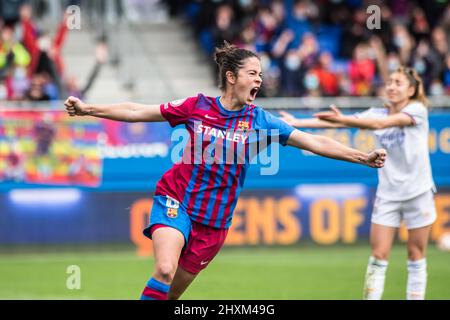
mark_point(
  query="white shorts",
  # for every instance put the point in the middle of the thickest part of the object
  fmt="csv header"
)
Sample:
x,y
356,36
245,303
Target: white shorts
x,y
416,212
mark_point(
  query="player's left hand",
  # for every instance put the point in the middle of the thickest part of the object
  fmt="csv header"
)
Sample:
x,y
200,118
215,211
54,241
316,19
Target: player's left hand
x,y
376,158
287,117
334,115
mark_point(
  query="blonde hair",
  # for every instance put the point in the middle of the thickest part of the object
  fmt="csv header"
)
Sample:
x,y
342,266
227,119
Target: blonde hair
x,y
416,81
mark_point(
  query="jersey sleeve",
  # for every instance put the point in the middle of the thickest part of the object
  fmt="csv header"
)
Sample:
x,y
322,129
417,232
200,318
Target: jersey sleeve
x,y
277,127
367,114
417,111
178,111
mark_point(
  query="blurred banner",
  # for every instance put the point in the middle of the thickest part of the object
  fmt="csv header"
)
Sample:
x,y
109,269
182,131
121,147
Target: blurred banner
x,y
325,214
49,148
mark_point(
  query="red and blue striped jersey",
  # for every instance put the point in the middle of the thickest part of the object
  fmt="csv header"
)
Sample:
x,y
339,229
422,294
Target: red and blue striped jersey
x,y
208,179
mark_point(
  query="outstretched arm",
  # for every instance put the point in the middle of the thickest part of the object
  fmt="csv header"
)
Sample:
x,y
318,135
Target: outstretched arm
x,y
307,123
330,148
335,116
127,111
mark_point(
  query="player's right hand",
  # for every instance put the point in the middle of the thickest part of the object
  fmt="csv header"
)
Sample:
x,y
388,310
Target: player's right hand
x,y
75,107
377,158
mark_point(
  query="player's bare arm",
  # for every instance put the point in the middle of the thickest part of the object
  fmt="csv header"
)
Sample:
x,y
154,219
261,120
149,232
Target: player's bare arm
x,y
335,116
127,111
330,148
308,122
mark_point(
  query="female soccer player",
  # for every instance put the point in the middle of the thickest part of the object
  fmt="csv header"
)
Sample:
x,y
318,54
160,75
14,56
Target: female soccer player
x,y
195,199
405,188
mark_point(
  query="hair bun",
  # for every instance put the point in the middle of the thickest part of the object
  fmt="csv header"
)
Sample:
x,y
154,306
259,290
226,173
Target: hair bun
x,y
221,53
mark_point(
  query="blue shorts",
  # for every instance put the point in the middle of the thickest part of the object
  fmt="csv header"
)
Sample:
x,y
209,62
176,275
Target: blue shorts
x,y
168,211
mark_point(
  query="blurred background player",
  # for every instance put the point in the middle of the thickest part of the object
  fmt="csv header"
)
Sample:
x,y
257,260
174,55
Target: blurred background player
x,y
194,202
405,188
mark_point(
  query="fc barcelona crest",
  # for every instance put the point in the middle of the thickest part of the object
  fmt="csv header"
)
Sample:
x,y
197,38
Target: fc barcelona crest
x,y
243,125
172,212
172,207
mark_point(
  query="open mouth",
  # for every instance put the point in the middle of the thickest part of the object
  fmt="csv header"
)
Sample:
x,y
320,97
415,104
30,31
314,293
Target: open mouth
x,y
253,93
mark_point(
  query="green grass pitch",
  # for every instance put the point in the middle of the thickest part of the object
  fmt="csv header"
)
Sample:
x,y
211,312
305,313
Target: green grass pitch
x,y
303,272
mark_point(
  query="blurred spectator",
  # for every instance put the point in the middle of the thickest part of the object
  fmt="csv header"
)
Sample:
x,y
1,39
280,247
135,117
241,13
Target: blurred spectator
x,y
426,62
385,32
308,51
403,42
247,36
439,42
312,84
327,78
386,63
393,62
278,11
447,74
401,9
299,19
271,76
266,26
14,59
45,52
12,52
445,21
37,90
9,10
246,9
291,77
436,88
224,27
281,44
72,88
355,32
420,28
361,71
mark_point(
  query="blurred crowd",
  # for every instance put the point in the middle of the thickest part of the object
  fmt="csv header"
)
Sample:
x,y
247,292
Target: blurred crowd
x,y
324,47
31,62
307,48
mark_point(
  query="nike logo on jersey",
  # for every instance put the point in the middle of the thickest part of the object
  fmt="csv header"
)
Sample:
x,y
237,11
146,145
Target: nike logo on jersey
x,y
209,117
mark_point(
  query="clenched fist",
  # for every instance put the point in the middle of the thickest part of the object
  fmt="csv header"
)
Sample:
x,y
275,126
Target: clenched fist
x,y
377,158
76,107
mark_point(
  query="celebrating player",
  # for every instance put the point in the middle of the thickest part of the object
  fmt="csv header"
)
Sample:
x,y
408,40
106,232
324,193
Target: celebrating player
x,y
405,188
194,200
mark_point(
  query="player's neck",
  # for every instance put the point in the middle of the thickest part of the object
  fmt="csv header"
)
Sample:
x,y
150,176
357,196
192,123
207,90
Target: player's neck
x,y
397,107
230,103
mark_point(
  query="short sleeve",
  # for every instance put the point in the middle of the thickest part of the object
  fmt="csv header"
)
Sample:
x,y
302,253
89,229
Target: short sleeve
x,y
371,113
178,111
417,111
277,128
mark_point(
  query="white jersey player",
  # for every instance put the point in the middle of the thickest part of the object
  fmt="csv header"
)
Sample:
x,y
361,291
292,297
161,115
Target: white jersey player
x,y
405,189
